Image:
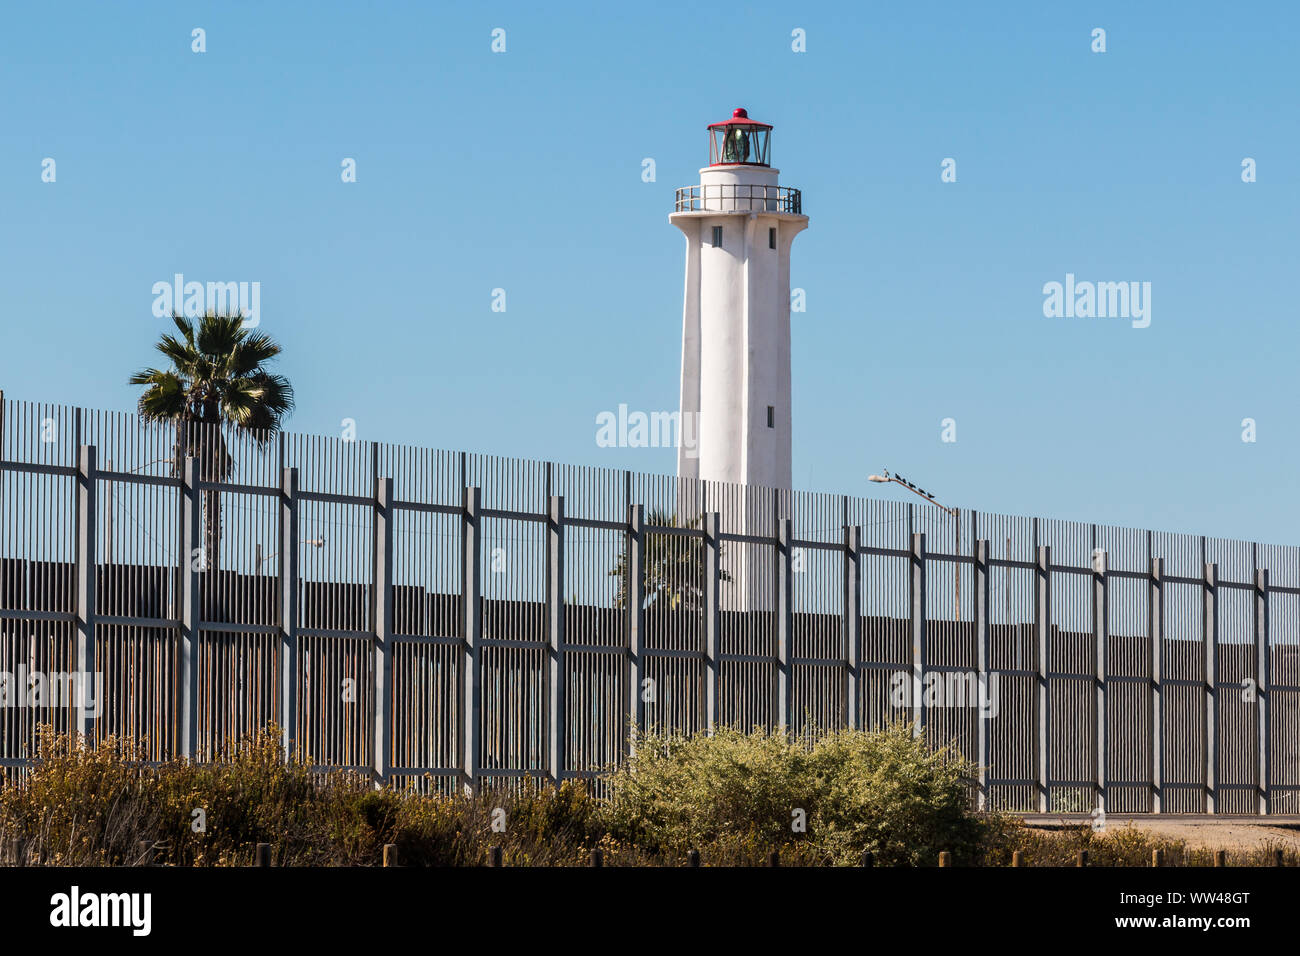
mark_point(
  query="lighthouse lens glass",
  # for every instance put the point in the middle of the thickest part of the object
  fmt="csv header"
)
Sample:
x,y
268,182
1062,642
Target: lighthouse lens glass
x,y
737,143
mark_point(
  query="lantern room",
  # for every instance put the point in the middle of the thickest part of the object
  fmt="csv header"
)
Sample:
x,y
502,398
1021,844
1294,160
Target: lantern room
x,y
740,141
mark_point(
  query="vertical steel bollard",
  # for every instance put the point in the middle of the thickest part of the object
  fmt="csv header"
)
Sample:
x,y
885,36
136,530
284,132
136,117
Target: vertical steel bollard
x,y
383,611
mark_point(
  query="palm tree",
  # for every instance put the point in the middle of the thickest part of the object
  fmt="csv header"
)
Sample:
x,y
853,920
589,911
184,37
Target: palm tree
x,y
218,377
674,566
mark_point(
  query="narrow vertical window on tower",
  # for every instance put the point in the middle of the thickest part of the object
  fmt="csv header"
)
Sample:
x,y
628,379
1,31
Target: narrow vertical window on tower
x,y
771,416
771,238
717,237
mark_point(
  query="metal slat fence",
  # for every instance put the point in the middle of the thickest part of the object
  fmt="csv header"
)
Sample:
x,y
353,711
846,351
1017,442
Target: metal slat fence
x,y
445,620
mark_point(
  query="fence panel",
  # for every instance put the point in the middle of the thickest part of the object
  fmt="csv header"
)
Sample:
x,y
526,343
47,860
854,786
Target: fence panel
x,y
439,619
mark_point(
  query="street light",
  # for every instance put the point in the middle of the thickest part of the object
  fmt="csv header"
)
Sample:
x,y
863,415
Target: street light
x,y
900,480
955,512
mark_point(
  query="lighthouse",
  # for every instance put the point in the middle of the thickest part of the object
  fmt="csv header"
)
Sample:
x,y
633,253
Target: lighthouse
x,y
739,224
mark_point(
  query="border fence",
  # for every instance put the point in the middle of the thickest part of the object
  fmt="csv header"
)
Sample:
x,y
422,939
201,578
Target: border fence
x,y
442,619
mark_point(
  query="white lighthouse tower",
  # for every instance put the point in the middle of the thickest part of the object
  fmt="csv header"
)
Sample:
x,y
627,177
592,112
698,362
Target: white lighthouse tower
x,y
739,225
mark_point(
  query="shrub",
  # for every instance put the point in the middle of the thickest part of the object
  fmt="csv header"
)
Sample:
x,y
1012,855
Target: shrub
x,y
882,791
887,792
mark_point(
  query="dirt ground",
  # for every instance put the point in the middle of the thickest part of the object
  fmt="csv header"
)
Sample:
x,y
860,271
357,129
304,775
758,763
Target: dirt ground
x,y
1217,836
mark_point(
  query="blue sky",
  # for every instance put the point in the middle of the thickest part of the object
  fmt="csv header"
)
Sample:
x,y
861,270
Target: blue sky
x,y
522,171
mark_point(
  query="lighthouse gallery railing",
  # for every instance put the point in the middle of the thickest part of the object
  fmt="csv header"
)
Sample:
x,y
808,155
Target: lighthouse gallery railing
x,y
736,197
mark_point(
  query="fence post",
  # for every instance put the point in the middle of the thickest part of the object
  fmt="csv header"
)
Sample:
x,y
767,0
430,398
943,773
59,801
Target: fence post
x,y
557,710
918,632
1210,634
1263,703
1156,623
853,621
471,671
983,634
87,579
784,622
1101,631
383,598
712,618
191,550
289,609
636,617
1043,625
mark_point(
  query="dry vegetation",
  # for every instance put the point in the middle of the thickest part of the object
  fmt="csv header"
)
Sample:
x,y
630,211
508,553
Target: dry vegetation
x,y
734,797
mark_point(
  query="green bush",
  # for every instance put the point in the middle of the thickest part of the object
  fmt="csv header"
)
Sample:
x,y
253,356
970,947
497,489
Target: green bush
x,y
851,791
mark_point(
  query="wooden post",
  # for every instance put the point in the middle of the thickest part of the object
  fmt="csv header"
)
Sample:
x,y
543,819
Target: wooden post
x,y
1101,634
383,609
1209,633
1043,626
945,858
983,640
712,618
597,858
390,854
693,858
556,673
868,858
774,859
1082,858
1157,857
636,619
1263,703
289,610
1220,858
918,628
1017,858
784,624
262,855
1156,623
191,564
87,581
471,722
494,856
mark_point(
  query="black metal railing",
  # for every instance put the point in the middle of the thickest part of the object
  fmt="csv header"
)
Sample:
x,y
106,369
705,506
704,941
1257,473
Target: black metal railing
x,y
739,197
